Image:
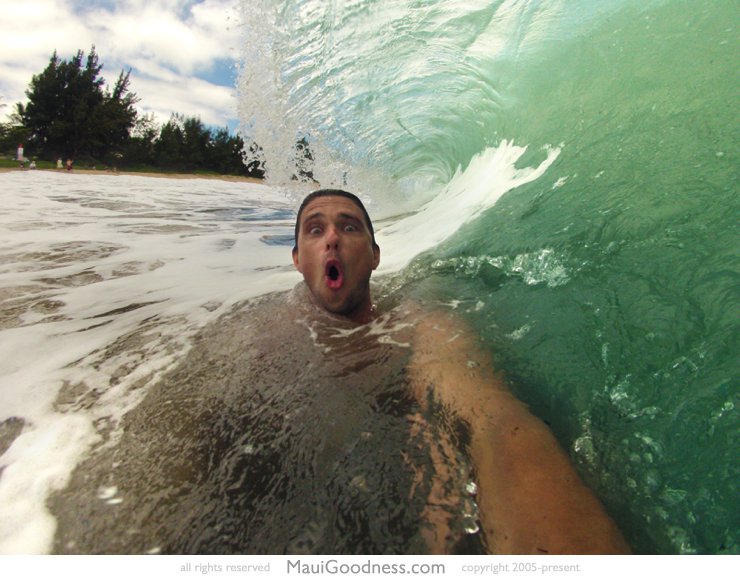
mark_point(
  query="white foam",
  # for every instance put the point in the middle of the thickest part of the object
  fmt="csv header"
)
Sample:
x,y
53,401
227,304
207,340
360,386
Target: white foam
x,y
75,247
489,176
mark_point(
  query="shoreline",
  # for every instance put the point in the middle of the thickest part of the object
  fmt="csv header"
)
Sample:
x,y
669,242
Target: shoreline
x,y
177,176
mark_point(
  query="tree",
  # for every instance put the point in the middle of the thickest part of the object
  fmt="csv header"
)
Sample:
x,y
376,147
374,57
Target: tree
x,y
226,154
113,120
195,145
168,148
221,151
70,113
186,144
139,149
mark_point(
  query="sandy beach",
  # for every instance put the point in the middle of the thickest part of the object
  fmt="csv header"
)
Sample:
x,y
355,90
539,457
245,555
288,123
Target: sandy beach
x,y
182,176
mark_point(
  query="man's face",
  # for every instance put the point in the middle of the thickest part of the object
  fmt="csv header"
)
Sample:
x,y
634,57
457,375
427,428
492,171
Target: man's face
x,y
336,256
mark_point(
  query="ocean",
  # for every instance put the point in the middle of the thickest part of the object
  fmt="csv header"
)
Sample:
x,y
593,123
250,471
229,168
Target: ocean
x,y
561,174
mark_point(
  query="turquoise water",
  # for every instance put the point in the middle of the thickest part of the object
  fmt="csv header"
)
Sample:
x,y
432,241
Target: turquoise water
x,y
606,289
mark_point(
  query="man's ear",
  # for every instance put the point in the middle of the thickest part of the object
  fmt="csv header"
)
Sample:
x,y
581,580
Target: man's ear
x,y
296,261
376,256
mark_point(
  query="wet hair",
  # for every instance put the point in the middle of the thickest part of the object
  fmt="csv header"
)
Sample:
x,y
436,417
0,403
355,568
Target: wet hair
x,y
323,193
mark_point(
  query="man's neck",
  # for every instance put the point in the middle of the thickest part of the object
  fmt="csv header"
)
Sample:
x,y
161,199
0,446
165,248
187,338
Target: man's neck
x,y
364,313
363,316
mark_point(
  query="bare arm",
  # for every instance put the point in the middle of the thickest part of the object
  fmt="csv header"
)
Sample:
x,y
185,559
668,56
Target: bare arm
x,y
531,499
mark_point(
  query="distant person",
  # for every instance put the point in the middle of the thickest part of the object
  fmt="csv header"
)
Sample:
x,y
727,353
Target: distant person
x,y
60,165
32,165
69,164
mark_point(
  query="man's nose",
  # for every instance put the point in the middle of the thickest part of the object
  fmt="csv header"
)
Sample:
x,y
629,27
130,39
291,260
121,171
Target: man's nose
x,y
332,238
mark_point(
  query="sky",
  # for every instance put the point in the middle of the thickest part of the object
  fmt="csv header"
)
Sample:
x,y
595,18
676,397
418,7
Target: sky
x,y
182,54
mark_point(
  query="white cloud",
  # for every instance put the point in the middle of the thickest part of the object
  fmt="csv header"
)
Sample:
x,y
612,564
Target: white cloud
x,y
29,33
214,104
170,45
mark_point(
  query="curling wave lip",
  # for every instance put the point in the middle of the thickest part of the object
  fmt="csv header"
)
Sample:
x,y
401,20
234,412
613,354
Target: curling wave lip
x,y
333,274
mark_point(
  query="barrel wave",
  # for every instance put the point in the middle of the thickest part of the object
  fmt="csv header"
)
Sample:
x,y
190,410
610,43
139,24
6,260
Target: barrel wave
x,y
599,259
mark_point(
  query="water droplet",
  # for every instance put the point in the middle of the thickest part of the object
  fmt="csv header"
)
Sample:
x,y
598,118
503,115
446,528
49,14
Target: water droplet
x,y
470,525
107,492
360,483
672,496
653,480
584,447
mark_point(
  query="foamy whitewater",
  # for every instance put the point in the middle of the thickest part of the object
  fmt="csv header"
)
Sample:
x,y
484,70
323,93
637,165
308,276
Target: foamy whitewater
x,y
563,175
104,280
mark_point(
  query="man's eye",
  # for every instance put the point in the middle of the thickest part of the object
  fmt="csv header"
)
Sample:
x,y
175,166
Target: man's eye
x,y
314,230
350,228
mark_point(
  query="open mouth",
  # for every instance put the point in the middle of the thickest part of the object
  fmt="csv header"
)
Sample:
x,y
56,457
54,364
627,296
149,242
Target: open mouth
x,y
333,274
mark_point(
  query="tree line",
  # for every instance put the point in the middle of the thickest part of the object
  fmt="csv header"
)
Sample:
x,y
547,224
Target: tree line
x,y
71,113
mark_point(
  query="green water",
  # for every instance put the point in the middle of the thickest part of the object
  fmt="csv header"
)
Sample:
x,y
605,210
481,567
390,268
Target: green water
x,y
634,359
606,289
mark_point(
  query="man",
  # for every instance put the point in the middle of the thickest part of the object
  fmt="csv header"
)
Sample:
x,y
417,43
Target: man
x,y
531,499
336,252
